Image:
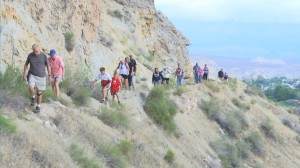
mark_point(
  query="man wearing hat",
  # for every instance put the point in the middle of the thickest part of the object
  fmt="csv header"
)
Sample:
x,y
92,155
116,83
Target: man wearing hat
x,y
57,70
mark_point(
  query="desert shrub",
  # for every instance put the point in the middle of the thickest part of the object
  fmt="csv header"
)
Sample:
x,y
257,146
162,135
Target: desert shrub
x,y
48,94
113,117
240,115
232,83
213,87
69,41
268,129
212,108
227,152
121,2
143,79
180,90
256,142
116,13
287,122
233,125
106,41
113,155
80,157
253,101
170,156
239,104
11,81
125,146
253,91
161,109
81,96
7,125
244,148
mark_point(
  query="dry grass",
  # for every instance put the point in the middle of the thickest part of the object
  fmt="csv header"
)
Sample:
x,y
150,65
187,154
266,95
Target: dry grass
x,y
240,105
7,125
212,86
79,156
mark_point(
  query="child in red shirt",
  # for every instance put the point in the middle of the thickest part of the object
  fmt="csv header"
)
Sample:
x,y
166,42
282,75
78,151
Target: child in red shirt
x,y
115,86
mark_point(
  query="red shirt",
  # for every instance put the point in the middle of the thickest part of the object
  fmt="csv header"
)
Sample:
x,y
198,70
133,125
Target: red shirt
x,y
56,66
115,84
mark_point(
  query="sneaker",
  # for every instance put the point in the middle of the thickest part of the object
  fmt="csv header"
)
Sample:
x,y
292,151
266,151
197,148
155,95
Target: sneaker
x,y
37,109
32,101
102,101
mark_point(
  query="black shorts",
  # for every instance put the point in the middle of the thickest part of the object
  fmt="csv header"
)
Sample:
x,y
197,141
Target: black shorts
x,y
124,76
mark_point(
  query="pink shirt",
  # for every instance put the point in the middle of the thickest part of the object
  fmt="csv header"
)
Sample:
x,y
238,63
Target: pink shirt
x,y
56,66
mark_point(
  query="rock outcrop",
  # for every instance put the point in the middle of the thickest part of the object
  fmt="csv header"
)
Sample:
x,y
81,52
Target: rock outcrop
x,y
103,32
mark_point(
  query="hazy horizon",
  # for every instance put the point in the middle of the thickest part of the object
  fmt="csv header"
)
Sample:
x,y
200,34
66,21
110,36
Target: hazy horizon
x,y
249,35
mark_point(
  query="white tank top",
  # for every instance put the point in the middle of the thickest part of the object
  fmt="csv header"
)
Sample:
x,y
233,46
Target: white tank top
x,y
123,69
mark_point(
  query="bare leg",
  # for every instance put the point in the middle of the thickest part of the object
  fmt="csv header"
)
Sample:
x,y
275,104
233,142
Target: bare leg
x,y
31,90
39,97
56,86
126,83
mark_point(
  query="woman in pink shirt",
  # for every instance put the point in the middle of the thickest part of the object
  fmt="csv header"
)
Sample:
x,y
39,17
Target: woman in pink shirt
x,y
57,71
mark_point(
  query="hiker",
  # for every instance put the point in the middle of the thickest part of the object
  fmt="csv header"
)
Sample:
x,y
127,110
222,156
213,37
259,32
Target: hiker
x,y
200,74
166,74
105,83
221,74
225,76
156,77
196,73
57,71
132,72
124,71
36,76
180,74
205,72
115,87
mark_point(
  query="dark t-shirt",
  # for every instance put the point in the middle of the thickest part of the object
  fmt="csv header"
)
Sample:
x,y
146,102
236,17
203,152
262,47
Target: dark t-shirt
x,y
37,64
131,64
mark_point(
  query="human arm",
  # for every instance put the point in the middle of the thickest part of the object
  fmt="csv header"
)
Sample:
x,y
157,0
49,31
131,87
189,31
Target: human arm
x,y
25,72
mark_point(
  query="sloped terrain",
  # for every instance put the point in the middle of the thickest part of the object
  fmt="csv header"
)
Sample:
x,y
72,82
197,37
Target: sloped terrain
x,y
44,140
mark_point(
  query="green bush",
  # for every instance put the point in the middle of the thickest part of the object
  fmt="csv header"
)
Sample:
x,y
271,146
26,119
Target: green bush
x,y
213,87
159,108
80,157
268,129
256,142
69,41
81,96
180,90
244,148
7,125
227,152
113,117
233,125
170,156
239,104
212,108
11,81
253,91
121,2
48,94
113,155
253,101
116,13
125,146
233,84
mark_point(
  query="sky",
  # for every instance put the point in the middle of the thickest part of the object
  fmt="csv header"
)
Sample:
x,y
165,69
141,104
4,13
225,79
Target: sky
x,y
259,33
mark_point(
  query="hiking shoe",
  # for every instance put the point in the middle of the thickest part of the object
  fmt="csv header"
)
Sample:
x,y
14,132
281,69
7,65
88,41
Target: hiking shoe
x,y
32,101
102,101
37,109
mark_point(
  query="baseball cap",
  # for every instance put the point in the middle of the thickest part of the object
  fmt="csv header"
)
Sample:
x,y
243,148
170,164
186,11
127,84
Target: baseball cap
x,y
52,53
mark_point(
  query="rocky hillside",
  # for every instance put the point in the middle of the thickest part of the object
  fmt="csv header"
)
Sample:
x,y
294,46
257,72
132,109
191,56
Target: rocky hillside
x,y
94,34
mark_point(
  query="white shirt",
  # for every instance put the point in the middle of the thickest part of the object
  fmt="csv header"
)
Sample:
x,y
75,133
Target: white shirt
x,y
123,69
105,76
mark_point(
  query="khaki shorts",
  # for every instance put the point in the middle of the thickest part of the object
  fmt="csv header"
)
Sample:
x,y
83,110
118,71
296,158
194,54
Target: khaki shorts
x,y
38,82
58,79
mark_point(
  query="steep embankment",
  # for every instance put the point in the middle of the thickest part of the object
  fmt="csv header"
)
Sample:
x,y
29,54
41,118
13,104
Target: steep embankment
x,y
44,140
98,32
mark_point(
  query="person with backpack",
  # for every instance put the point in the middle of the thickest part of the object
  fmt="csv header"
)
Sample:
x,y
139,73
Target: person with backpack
x,y
36,76
115,87
205,72
225,76
179,74
57,71
123,69
221,74
196,73
200,74
132,72
105,83
156,77
166,74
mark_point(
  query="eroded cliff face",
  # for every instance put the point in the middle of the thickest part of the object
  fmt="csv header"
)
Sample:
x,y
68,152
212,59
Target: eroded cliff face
x,y
104,31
